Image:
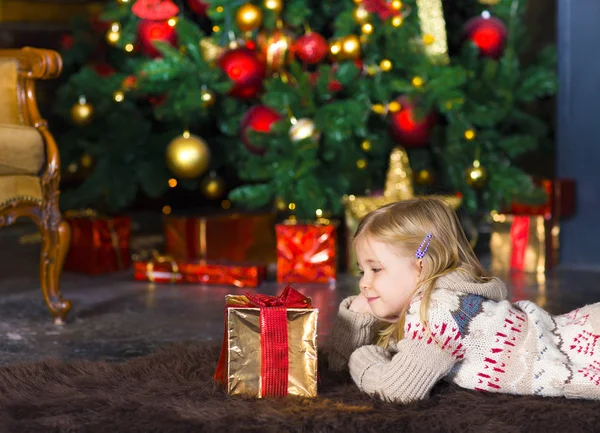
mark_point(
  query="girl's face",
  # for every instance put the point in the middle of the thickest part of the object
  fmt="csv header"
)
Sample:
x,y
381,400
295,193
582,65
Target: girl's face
x,y
388,280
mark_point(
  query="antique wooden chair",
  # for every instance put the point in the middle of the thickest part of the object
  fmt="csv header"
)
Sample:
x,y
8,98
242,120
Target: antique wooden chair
x,y
30,164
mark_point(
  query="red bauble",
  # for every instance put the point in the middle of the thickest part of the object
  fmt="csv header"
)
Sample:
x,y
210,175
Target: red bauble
x,y
406,129
333,85
104,69
488,33
155,9
258,118
245,69
198,7
311,48
150,31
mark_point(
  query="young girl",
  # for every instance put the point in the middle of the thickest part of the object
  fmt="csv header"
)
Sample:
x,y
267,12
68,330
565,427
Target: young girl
x,y
427,311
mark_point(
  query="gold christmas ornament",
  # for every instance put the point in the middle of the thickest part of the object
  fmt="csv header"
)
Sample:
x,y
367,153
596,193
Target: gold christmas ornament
x,y
394,107
210,51
118,96
365,145
248,17
379,109
417,81
476,175
122,2
385,65
424,177
335,49
361,164
360,14
303,128
114,34
207,97
274,5
187,156
350,47
396,5
213,186
280,204
397,21
86,160
470,134
82,112
366,29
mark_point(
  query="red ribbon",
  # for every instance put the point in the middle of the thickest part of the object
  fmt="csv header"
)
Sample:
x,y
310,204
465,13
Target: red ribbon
x,y
273,339
519,238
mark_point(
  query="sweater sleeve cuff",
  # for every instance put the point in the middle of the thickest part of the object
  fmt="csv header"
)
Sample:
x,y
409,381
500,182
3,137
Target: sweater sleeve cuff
x,y
407,376
351,330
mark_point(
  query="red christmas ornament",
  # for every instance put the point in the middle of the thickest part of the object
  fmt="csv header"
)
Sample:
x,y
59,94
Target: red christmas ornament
x,y
311,48
408,130
258,118
333,85
158,10
198,7
488,33
245,69
104,69
382,8
150,31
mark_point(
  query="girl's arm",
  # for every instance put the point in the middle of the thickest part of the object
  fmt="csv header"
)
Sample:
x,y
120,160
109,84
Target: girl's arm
x,y
418,365
350,331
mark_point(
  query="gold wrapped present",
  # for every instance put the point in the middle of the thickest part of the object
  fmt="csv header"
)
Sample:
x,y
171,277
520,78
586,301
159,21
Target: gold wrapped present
x,y
270,345
398,186
527,243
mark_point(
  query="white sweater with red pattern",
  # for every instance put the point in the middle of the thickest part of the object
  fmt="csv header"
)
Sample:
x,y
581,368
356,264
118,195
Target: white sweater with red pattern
x,y
482,342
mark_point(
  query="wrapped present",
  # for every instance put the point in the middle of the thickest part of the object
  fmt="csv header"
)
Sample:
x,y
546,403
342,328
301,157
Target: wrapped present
x,y
165,269
232,237
99,245
527,243
398,186
560,203
306,253
269,346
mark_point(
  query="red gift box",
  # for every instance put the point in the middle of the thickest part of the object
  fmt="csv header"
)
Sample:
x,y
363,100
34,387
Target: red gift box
x,y
560,203
99,245
306,253
234,237
164,269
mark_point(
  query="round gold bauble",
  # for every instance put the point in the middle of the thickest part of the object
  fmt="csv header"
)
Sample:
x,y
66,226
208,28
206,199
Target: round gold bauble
x,y
350,47
274,5
476,175
360,14
213,187
280,204
207,98
113,35
86,160
248,17
303,128
188,156
424,177
82,112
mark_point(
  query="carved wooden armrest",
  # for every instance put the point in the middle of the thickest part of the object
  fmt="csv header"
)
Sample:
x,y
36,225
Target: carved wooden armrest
x,y
36,63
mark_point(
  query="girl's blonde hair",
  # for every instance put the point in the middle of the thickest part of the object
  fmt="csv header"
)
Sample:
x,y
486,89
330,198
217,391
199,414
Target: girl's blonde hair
x,y
403,225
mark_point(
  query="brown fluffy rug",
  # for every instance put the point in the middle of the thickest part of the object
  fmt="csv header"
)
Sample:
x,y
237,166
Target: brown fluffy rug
x,y
172,391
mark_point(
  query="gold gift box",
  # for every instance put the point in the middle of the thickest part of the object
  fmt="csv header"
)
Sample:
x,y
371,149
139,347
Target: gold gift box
x,y
540,251
243,350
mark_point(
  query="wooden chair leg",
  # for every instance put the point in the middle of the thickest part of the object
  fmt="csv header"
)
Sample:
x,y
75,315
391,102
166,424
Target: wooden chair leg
x,y
56,239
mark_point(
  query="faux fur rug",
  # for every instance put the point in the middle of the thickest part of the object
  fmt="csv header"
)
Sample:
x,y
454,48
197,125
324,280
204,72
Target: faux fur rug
x,y
172,391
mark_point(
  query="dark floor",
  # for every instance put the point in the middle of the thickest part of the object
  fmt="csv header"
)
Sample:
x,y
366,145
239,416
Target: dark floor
x,y
114,317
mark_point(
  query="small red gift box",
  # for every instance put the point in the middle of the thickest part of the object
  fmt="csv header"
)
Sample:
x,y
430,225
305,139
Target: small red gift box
x,y
234,237
560,203
99,245
164,269
306,253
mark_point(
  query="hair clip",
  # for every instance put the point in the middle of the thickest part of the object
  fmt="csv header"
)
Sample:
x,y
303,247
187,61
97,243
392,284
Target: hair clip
x,y
423,247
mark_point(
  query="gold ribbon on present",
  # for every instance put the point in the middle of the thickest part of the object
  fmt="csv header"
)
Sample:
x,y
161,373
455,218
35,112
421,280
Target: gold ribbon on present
x,y
114,237
398,186
153,257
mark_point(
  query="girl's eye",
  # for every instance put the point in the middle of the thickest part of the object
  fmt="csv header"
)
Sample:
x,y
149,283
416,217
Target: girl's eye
x,y
361,273
375,270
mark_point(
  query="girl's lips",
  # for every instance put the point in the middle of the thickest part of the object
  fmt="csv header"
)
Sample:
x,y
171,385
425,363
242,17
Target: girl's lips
x,y
372,299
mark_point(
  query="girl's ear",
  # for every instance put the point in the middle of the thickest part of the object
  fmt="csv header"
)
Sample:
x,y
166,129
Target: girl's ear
x,y
419,266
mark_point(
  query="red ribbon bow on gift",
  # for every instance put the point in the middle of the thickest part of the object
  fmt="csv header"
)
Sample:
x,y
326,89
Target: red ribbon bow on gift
x,y
273,339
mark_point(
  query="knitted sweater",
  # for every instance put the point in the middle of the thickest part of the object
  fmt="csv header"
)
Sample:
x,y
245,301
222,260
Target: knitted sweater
x,y
481,342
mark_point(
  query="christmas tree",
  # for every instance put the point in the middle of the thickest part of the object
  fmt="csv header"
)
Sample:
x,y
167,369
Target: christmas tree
x,y
296,103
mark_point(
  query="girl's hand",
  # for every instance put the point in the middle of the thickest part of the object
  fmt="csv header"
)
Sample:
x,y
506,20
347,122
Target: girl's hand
x,y
360,305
